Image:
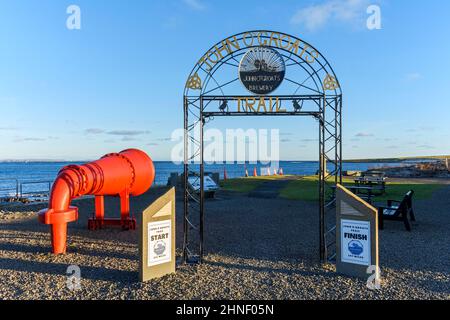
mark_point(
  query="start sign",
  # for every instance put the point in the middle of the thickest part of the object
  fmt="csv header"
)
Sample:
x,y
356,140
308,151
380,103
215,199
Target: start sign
x,y
157,238
159,242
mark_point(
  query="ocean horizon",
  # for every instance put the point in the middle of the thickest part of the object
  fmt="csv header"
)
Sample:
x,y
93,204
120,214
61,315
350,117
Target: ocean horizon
x,y
31,172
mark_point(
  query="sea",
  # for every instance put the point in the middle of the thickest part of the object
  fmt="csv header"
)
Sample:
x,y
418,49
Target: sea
x,y
35,177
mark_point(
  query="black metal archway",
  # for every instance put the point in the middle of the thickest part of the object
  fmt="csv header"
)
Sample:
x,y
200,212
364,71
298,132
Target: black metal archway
x,y
310,82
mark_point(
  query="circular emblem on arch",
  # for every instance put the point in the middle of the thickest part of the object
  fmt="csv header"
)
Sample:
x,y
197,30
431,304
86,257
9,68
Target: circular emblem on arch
x,y
262,70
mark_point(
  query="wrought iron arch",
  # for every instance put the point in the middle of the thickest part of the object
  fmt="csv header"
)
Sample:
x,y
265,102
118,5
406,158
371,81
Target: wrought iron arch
x,y
324,92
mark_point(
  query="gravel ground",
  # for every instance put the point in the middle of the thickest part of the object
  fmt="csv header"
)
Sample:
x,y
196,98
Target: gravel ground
x,y
266,249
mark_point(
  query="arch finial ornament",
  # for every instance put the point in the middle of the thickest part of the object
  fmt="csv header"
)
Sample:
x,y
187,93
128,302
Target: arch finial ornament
x,y
330,83
194,82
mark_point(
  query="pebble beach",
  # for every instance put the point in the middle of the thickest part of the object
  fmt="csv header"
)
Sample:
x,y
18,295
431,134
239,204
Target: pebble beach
x,y
255,249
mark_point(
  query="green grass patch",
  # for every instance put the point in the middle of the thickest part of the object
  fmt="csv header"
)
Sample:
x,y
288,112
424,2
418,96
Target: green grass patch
x,y
241,184
247,184
303,189
306,188
396,191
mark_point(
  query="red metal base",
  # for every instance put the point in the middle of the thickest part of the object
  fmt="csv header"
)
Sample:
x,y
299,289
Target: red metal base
x,y
58,222
126,224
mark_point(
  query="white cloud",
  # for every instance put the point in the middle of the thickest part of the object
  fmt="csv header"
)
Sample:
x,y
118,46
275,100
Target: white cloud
x,y
317,16
128,132
414,76
93,131
364,135
29,139
127,138
195,4
8,128
426,146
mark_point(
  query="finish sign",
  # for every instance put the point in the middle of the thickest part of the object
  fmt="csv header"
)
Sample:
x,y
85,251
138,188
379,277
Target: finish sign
x,y
356,235
355,242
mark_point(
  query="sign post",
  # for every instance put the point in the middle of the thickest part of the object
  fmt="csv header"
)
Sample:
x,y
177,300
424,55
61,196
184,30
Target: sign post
x,y
157,238
356,236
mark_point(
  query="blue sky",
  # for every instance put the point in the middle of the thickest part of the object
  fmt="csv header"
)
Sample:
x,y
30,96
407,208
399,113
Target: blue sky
x,y
118,82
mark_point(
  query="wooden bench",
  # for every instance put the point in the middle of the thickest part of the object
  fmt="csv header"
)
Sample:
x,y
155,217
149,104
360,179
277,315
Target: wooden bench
x,y
398,211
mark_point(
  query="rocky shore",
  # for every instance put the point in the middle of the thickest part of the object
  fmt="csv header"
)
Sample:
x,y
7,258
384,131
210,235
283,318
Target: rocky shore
x,y
436,169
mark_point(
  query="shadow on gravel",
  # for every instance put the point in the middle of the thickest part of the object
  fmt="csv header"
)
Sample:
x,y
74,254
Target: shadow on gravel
x,y
435,286
51,268
73,250
22,248
269,189
263,229
106,254
323,274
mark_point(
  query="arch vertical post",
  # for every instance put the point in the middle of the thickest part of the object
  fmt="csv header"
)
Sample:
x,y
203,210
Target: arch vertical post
x,y
322,172
193,147
202,183
185,182
332,148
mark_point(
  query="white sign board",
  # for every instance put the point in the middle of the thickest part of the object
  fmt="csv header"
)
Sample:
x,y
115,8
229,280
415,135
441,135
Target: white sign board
x,y
159,242
208,183
355,242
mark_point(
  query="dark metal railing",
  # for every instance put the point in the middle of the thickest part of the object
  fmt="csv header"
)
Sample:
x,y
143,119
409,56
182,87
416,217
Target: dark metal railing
x,y
9,191
25,192
16,190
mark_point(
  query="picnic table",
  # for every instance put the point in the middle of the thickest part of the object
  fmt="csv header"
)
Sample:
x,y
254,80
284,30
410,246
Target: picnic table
x,y
378,184
364,192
